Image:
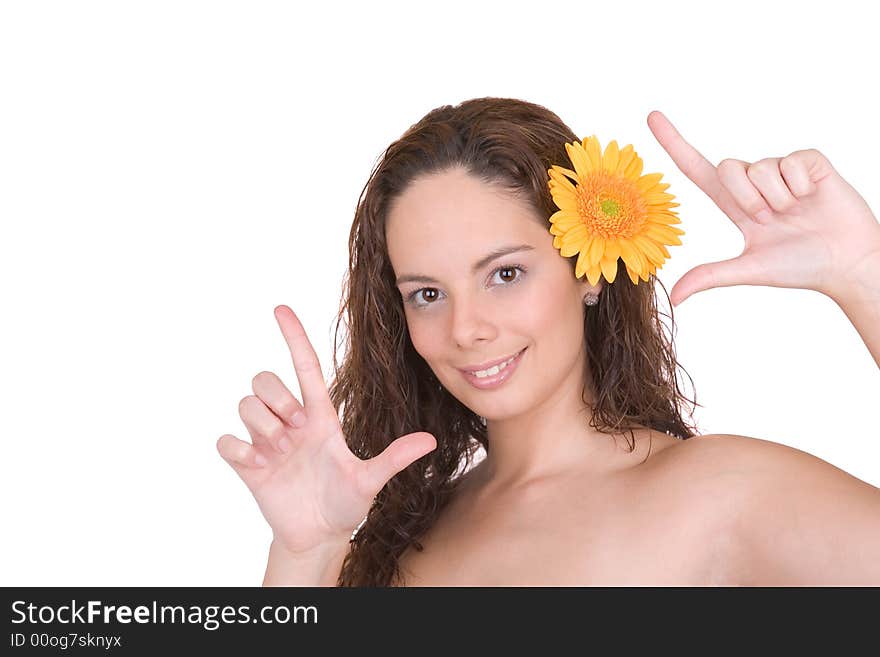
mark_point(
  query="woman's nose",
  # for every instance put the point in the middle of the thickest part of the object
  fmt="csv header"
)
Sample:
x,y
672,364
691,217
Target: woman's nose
x,y
471,321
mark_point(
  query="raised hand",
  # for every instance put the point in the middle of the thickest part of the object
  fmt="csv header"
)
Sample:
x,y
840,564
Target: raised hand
x,y
312,490
804,226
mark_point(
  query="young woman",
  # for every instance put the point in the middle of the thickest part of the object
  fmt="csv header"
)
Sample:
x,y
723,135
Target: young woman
x,y
463,257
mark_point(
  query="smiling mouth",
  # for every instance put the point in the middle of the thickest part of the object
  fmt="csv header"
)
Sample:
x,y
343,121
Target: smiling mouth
x,y
501,364
495,375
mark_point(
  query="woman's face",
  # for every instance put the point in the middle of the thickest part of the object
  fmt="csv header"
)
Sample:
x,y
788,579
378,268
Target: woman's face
x,y
474,310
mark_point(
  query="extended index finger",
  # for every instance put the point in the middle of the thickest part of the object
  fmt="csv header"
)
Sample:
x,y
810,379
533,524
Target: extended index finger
x,y
305,360
687,158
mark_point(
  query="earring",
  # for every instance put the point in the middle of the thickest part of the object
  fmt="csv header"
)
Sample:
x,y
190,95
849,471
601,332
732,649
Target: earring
x,y
591,299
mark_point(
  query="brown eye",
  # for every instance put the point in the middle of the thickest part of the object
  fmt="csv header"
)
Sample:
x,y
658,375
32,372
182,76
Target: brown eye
x,y
419,299
426,296
508,274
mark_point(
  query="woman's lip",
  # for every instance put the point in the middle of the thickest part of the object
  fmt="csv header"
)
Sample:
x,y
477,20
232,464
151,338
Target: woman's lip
x,y
496,380
491,363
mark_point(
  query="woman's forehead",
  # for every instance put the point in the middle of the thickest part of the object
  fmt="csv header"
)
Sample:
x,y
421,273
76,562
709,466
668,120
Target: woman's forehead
x,y
454,208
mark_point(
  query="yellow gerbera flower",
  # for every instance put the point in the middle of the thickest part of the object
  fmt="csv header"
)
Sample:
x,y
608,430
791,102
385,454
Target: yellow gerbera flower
x,y
608,210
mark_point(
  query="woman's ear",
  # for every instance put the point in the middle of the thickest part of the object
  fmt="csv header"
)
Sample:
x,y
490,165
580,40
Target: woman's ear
x,y
587,288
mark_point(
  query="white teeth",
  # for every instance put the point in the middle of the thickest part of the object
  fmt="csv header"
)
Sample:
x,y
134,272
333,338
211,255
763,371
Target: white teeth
x,y
492,371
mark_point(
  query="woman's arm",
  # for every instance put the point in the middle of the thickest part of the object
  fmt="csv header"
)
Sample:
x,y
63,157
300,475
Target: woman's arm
x,y
795,520
807,522
320,567
860,302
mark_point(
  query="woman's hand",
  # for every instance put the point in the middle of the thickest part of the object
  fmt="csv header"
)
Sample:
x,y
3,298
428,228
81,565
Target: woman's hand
x,y
312,490
804,226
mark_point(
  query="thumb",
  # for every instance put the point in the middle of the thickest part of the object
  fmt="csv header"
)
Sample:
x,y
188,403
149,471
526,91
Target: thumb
x,y
396,457
723,273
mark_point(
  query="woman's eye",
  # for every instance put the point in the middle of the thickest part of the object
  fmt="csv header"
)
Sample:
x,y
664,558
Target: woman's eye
x,y
511,275
427,295
415,295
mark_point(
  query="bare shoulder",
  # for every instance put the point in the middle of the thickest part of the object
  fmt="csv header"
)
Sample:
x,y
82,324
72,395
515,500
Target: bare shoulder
x,y
791,517
759,462
724,454
702,484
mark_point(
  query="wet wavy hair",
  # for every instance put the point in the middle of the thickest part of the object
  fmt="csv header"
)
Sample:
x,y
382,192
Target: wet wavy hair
x,y
383,389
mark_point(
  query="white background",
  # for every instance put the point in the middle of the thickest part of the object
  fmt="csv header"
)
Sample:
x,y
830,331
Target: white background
x,y
172,171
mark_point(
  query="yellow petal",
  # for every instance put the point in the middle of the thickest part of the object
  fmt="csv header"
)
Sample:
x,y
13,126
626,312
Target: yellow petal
x,y
630,255
626,156
593,274
648,181
597,249
569,247
643,261
565,220
663,218
649,248
634,168
564,199
576,235
632,275
665,234
658,197
612,249
579,159
669,241
559,183
581,265
594,151
611,157
562,174
609,268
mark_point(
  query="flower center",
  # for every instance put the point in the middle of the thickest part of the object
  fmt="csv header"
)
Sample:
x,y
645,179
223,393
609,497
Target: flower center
x,y
610,206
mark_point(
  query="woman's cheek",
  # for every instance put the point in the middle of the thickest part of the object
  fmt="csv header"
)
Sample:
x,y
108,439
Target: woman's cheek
x,y
423,338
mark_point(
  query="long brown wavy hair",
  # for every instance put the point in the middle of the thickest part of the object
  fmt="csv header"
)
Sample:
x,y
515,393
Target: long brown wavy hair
x,y
383,389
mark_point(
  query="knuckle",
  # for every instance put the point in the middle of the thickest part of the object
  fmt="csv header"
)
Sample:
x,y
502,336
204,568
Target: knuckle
x,y
728,164
791,205
241,454
758,170
287,409
307,365
276,432
798,156
725,165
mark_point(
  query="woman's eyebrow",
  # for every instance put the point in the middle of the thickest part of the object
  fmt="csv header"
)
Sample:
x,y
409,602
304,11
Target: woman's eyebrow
x,y
477,266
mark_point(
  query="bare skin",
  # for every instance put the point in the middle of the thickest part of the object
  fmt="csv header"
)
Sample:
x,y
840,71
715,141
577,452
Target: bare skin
x,y
637,525
713,509
556,503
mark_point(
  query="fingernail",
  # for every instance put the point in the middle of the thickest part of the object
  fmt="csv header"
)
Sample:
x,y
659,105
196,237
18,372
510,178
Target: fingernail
x,y
298,419
284,444
260,460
